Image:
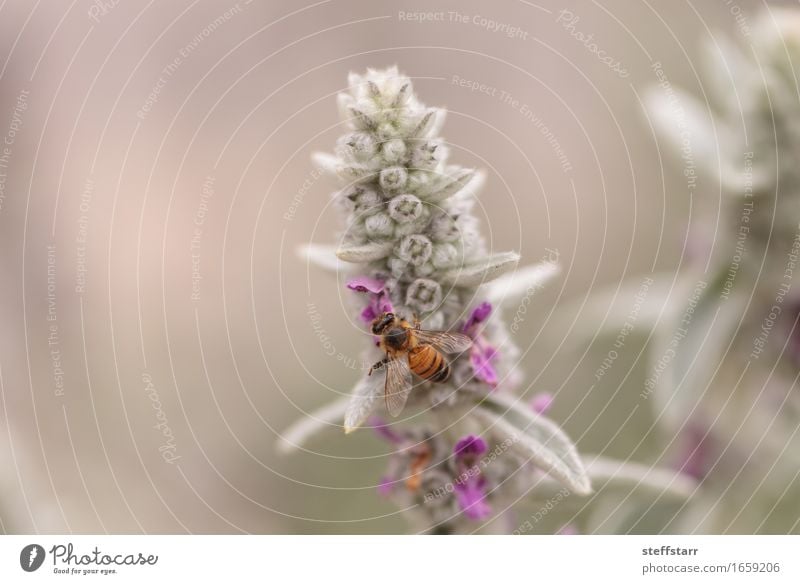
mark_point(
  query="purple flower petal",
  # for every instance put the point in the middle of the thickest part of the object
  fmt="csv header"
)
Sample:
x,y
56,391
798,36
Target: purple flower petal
x,y
383,303
378,304
470,486
385,486
697,455
479,314
384,431
472,499
541,403
369,314
481,360
470,445
794,335
366,284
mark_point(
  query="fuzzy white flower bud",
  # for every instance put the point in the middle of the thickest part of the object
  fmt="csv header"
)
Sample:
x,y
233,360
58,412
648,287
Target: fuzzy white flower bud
x,y
444,228
424,294
361,200
364,114
415,249
379,225
426,155
424,270
405,208
386,132
394,151
419,181
445,255
358,146
397,267
393,179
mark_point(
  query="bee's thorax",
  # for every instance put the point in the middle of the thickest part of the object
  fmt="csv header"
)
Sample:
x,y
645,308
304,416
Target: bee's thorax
x,y
396,338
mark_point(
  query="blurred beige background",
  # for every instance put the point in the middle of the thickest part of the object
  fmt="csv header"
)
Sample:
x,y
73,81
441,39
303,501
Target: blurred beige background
x,y
157,184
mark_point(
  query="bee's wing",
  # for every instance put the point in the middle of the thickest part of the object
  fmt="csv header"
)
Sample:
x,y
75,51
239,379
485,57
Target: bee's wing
x,y
398,384
444,341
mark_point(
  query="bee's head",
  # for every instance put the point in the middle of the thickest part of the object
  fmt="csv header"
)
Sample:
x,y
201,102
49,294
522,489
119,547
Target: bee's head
x,y
382,322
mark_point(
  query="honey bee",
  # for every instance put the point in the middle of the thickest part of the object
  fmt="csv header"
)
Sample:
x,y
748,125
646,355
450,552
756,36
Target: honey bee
x,y
409,348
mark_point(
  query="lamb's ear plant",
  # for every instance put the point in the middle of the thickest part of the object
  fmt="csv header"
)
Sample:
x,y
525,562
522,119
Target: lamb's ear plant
x,y
731,390
463,451
725,347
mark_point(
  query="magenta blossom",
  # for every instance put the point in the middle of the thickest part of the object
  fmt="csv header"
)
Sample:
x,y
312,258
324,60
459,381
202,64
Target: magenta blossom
x,y
385,486
470,486
479,314
698,454
383,430
793,346
379,301
469,447
541,402
481,354
366,284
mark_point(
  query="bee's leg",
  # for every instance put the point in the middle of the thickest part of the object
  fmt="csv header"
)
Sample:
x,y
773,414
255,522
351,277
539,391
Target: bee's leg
x,y
378,365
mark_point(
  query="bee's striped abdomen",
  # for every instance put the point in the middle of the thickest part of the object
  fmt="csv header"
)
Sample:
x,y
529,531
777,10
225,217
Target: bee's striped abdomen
x,y
429,364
